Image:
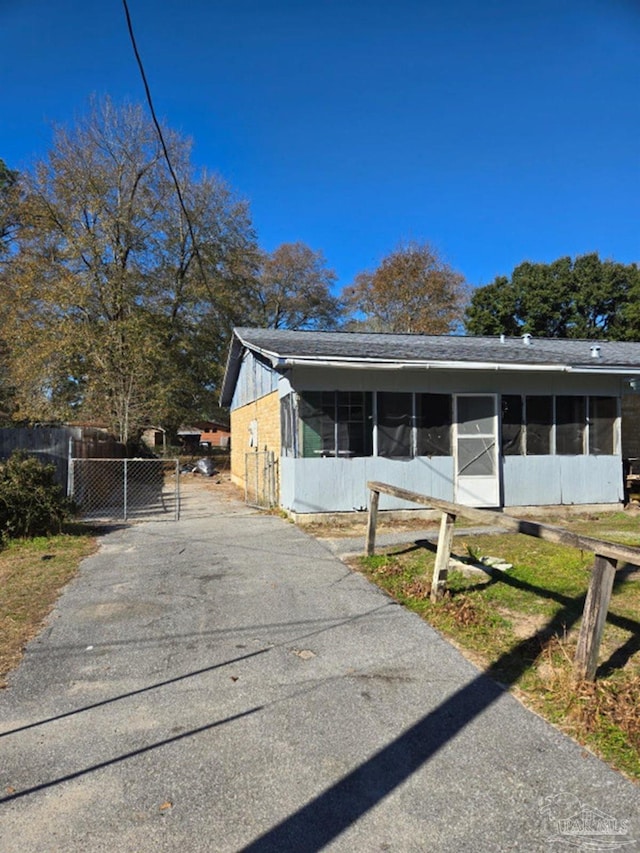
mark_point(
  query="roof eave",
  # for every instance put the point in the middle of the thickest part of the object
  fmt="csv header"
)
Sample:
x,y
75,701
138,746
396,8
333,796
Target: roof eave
x,y
287,362
232,369
283,362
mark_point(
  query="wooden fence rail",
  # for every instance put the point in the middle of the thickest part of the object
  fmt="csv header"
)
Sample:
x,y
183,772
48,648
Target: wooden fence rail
x,y
607,554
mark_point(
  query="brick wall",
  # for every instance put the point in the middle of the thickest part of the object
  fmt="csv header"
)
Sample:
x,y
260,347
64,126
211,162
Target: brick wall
x,y
260,420
216,437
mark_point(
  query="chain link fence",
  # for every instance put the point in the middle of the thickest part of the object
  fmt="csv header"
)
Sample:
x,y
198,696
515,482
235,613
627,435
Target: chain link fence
x,y
128,489
260,478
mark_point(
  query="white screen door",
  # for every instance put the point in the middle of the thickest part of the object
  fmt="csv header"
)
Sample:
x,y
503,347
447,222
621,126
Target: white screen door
x,y
477,479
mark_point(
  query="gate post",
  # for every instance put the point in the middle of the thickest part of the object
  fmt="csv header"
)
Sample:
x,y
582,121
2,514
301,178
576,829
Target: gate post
x,y
70,478
371,523
177,490
70,468
594,617
124,491
443,554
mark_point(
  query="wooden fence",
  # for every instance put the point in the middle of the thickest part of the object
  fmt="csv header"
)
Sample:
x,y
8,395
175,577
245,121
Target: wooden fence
x,y
56,445
603,573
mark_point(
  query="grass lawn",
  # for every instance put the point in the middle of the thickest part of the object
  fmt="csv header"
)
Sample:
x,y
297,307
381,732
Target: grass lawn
x,y
521,626
32,575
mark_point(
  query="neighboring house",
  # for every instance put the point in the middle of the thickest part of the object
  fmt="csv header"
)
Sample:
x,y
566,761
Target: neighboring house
x,y
204,434
194,437
483,421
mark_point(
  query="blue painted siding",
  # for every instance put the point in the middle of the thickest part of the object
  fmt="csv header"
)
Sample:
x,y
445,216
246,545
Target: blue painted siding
x,y
255,380
340,485
547,480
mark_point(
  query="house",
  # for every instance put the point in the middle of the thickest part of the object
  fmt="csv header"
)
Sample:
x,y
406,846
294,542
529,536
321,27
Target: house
x,y
204,434
484,421
193,437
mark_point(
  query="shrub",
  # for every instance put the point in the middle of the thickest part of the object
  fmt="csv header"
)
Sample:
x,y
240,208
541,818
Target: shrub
x,y
31,502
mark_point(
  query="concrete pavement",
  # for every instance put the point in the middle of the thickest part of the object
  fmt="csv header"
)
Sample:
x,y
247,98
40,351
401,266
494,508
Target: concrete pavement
x,y
225,683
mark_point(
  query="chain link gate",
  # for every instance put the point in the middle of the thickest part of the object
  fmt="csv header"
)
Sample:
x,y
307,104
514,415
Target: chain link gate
x,y
260,479
125,488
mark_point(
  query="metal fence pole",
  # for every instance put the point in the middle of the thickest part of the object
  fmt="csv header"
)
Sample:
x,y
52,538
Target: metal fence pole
x,y
70,469
70,473
177,490
257,479
124,490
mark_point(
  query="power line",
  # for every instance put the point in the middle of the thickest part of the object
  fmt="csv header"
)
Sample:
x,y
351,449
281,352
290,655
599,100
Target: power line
x,y
162,142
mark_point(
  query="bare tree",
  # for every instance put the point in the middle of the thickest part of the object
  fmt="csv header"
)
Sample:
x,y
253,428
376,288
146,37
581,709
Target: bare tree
x,y
412,290
107,288
293,290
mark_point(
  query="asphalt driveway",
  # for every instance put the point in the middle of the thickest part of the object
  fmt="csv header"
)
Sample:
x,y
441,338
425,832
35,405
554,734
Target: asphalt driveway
x,y
225,683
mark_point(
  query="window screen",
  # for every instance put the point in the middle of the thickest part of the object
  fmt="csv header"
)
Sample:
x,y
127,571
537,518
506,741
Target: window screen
x,y
476,456
287,429
570,422
335,423
603,412
317,423
355,423
512,421
395,417
539,420
433,424
476,415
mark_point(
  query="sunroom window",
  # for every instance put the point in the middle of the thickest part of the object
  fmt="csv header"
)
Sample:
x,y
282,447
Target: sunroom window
x,y
512,424
433,424
539,425
570,424
603,412
395,418
335,423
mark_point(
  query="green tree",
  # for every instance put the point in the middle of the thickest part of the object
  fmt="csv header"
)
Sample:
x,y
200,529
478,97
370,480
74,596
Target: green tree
x,y
114,313
493,310
413,290
581,298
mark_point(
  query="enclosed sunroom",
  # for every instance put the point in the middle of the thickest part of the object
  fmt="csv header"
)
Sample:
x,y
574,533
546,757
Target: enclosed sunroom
x,y
480,421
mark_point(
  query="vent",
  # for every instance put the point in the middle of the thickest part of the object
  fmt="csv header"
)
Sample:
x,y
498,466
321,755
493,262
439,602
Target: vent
x,y
595,351
527,338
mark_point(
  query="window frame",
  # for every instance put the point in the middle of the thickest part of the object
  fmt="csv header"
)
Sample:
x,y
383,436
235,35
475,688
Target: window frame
x,y
556,442
310,406
335,432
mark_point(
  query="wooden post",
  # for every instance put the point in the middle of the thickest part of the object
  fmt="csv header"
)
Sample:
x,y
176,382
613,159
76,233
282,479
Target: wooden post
x,y
594,617
371,523
441,568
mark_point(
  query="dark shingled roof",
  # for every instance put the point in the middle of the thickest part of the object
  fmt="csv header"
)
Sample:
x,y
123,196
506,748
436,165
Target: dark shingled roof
x,y
388,347
279,344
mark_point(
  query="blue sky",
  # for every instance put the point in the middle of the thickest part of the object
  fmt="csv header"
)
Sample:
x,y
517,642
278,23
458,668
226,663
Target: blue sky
x,y
500,131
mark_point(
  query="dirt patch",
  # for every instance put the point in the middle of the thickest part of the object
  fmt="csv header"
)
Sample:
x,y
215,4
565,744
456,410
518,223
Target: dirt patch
x,y
220,484
524,625
357,527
